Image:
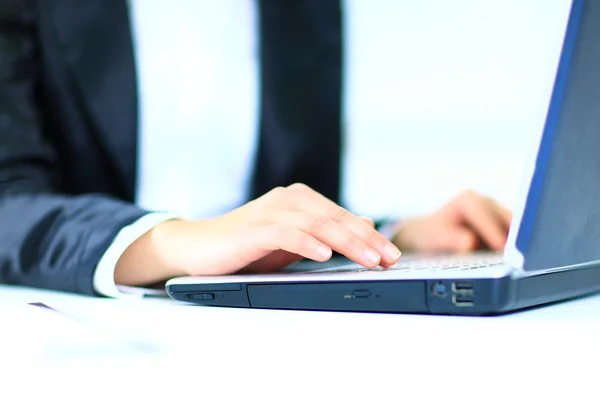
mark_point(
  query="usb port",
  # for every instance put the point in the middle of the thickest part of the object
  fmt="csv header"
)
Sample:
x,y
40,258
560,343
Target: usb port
x,y
465,287
462,293
462,300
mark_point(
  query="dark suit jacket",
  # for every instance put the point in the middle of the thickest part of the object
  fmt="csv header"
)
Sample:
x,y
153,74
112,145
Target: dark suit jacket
x,y
68,131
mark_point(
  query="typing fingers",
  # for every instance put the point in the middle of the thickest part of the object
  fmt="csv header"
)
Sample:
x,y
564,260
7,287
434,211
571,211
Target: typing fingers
x,y
326,231
289,238
310,200
482,218
503,213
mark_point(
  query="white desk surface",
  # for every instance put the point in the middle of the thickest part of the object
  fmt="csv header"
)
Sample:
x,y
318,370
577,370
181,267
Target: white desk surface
x,y
187,348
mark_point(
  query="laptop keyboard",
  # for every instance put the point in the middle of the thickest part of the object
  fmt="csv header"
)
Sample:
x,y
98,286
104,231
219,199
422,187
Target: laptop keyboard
x,y
453,262
429,263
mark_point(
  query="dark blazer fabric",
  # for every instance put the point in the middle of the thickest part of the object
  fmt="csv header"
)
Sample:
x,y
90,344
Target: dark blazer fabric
x,y
66,165
68,126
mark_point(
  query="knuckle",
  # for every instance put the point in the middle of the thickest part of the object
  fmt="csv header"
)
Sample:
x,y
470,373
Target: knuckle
x,y
279,191
465,200
319,223
350,241
339,213
470,195
298,186
276,194
372,236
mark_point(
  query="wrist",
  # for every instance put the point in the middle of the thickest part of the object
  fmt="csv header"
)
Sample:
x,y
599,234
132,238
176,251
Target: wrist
x,y
147,261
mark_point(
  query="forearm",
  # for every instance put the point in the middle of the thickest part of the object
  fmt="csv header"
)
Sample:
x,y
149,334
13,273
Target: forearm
x,y
55,241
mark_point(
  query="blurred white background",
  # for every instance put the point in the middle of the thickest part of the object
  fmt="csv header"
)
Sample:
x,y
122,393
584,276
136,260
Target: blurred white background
x,y
445,95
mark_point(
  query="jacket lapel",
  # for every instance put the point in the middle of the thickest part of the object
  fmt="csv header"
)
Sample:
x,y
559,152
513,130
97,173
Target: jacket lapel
x,y
96,41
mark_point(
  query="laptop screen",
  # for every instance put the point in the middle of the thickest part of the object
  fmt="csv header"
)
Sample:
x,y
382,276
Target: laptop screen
x,y
560,222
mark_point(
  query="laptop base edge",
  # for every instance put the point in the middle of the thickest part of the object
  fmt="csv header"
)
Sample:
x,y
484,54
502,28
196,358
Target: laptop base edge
x,y
473,297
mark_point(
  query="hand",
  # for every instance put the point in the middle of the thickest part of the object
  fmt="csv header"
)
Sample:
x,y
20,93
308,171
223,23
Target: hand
x,y
266,234
469,222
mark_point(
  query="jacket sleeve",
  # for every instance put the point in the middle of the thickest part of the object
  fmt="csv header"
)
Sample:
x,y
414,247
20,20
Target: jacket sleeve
x,y
47,239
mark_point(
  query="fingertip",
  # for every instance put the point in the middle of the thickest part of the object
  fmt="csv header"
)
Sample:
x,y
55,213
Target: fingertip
x,y
466,242
324,253
500,246
372,257
392,253
388,262
388,265
497,243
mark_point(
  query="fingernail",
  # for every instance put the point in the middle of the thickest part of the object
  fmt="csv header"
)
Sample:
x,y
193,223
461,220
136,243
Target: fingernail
x,y
392,252
324,252
372,256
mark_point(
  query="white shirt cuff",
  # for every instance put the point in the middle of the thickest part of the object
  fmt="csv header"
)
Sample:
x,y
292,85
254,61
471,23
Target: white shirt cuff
x,y
104,275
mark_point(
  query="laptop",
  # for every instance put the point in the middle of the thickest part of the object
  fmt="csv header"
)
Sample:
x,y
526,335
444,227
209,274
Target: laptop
x,y
553,248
